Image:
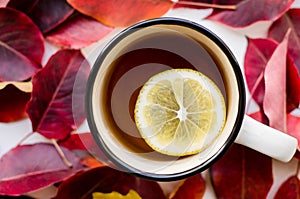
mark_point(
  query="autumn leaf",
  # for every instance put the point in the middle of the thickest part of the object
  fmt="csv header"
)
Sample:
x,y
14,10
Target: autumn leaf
x,y
257,56
21,46
191,188
115,13
57,104
78,31
289,189
107,180
290,20
293,127
81,141
238,175
275,82
45,14
292,82
12,103
250,11
28,168
85,142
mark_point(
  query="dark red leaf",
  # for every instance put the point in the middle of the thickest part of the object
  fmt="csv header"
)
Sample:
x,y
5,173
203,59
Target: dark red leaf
x,y
251,11
290,20
292,82
30,167
86,142
106,180
293,127
260,116
258,53
21,46
242,173
297,154
57,104
190,188
46,14
12,103
78,31
115,13
81,141
275,82
289,189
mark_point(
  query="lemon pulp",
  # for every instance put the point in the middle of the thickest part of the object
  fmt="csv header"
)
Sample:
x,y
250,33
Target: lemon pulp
x,y
179,112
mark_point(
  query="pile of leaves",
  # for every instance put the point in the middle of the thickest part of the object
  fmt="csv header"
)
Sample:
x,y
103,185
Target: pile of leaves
x,y
51,95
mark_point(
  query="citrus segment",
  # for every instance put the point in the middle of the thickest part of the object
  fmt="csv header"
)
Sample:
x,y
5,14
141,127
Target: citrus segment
x,y
179,112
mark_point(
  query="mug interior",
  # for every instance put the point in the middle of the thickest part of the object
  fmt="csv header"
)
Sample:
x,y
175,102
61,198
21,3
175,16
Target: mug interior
x,y
154,165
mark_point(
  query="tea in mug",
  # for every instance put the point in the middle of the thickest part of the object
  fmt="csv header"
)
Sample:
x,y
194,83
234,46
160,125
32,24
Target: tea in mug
x,y
145,58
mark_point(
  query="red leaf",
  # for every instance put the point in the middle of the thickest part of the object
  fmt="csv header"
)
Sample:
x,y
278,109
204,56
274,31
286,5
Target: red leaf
x,y
57,104
12,103
290,20
191,188
297,154
46,14
293,127
115,12
289,189
81,141
21,46
261,10
292,82
78,31
30,167
258,53
242,173
274,103
106,180
86,142
260,116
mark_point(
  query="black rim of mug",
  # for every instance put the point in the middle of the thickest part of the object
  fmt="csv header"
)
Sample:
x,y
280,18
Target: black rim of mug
x,y
241,105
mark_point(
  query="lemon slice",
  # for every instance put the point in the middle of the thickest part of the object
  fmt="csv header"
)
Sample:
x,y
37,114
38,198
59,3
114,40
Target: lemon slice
x,y
179,112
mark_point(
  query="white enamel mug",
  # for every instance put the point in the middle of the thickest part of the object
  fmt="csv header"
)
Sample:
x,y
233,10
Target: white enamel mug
x,y
238,127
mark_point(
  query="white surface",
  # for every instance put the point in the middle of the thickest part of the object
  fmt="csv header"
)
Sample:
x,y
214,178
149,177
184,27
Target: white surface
x,y
11,134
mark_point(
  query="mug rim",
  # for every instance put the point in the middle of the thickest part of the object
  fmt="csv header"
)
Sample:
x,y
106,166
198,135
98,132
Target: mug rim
x,y
123,166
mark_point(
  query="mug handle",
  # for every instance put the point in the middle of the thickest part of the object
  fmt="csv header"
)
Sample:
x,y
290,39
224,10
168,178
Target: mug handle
x,y
267,140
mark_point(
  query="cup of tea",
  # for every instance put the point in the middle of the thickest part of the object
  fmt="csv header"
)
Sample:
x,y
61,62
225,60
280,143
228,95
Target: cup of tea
x,y
166,99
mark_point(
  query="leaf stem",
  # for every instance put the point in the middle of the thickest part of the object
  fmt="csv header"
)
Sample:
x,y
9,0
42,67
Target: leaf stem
x,y
207,5
24,138
61,153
